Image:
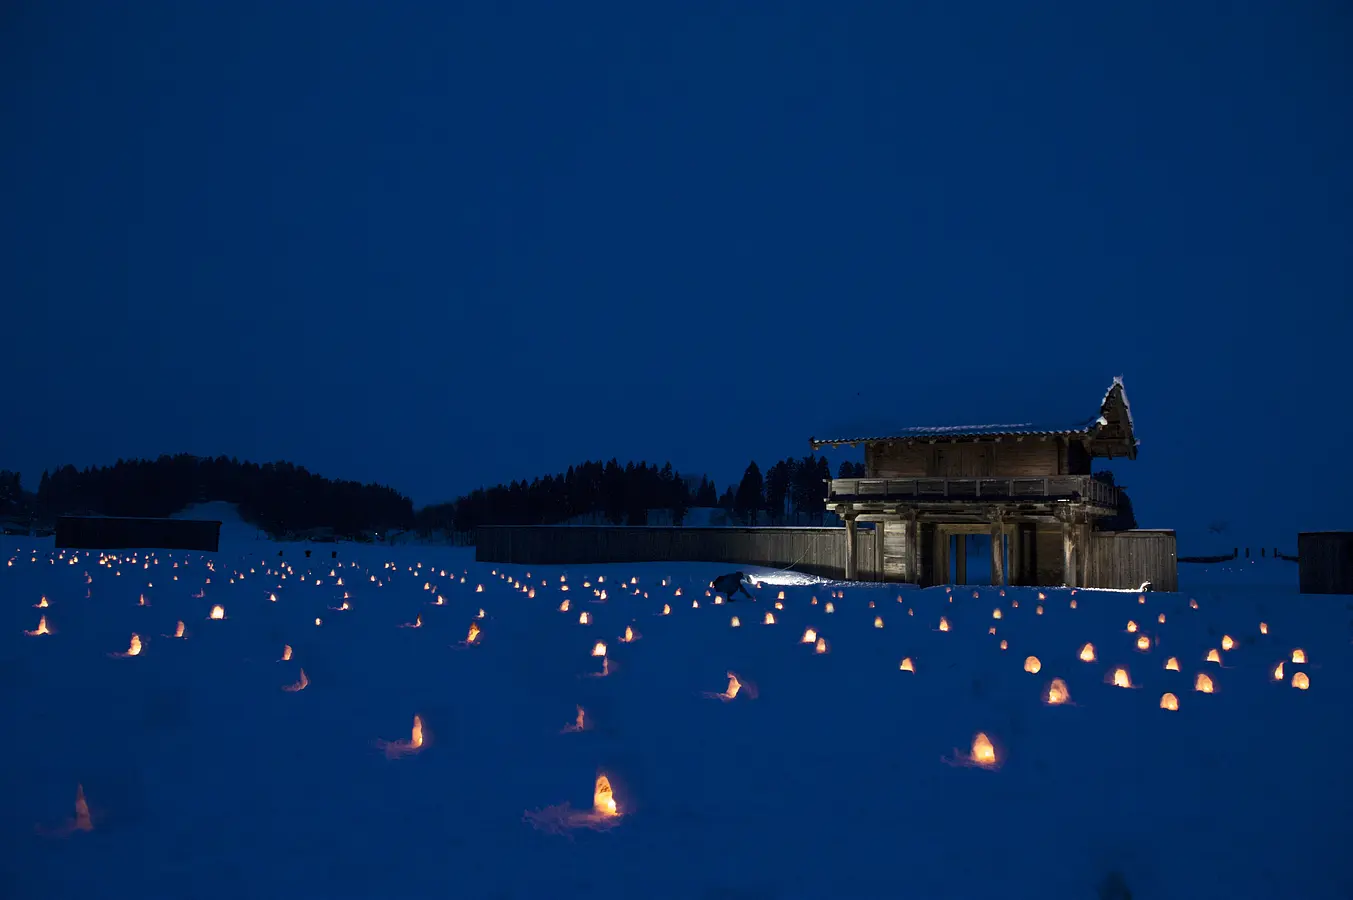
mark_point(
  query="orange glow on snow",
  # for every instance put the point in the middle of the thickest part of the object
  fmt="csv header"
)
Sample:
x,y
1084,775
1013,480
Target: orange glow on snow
x,y
41,629
300,684
286,652
178,630
944,624
473,634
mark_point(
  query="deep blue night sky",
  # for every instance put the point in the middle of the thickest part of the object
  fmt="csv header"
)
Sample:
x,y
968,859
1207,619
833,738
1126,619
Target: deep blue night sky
x,y
440,246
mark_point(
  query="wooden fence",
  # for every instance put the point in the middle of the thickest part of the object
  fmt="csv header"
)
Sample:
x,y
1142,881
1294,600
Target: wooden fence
x,y
1124,559
815,551
1325,562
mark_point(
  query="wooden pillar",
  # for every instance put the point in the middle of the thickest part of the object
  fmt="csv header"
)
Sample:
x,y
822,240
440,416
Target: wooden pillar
x,y
912,530
1068,552
1016,574
997,551
960,558
939,559
850,548
1083,551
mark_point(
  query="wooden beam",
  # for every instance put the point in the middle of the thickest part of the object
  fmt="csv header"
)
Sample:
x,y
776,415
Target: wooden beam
x,y
850,549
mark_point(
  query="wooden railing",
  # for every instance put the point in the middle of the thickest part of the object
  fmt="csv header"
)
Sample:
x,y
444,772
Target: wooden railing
x,y
1048,487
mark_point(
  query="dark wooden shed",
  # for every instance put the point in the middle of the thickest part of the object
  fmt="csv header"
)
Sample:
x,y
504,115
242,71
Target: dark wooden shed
x,y
1325,561
111,533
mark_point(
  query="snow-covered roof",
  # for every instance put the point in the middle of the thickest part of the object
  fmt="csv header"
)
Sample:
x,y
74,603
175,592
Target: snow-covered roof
x,y
1089,427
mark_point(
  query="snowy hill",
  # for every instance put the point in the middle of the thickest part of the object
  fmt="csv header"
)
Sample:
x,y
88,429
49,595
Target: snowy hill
x,y
833,774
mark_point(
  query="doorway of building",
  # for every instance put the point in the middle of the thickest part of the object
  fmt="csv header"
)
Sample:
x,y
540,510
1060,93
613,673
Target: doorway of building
x,y
970,558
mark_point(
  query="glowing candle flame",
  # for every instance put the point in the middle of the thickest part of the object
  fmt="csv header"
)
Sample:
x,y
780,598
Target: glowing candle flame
x,y
286,652
735,623
830,608
1263,628
1193,604
1073,604
318,621
1088,653
1161,618
584,618
1278,672
1005,645
135,647
769,619
1202,684
907,665
178,630
782,596
944,624
996,613
599,649
416,738
1143,643
809,637
473,634
1213,655
1169,701
629,635
1299,656
1032,665
479,589
733,686
1131,626
563,607
41,604
666,609
1226,642
1121,679
1057,693
820,646
878,621
217,612
1038,610
1301,681
1172,664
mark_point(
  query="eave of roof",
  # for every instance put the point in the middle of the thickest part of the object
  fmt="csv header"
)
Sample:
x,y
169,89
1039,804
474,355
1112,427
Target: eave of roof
x,y
1084,428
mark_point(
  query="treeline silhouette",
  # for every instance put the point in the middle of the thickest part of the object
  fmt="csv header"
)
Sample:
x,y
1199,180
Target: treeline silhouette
x,y
280,498
792,489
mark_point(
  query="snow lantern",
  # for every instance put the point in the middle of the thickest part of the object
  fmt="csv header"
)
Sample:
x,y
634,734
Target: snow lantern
x,y
1202,684
1032,665
906,665
1057,693
1121,678
1088,653
1301,681
1143,642
809,637
983,753
1299,656
217,612
1278,672
41,629
735,623
599,649
944,624
769,619
300,684
1226,642
1172,664
1169,701
878,621
1131,626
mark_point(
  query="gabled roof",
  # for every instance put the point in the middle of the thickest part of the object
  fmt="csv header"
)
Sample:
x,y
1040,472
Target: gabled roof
x,y
1110,431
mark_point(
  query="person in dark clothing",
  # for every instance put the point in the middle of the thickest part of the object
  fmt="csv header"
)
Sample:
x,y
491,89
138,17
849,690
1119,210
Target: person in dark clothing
x,y
730,584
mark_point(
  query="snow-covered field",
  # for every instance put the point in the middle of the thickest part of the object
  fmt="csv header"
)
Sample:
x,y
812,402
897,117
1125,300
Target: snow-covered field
x,y
828,775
